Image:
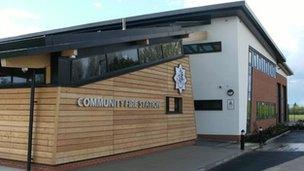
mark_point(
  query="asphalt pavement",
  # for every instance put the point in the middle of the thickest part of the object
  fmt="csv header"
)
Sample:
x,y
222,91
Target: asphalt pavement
x,y
283,154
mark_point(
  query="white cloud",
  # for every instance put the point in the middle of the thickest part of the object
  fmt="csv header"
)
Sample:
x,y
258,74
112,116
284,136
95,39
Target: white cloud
x,y
97,4
16,22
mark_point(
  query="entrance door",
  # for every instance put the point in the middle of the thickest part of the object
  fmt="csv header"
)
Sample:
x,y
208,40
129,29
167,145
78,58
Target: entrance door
x,y
279,103
284,104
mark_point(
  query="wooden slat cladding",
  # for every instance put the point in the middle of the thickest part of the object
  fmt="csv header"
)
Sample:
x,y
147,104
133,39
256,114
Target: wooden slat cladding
x,y
14,115
84,133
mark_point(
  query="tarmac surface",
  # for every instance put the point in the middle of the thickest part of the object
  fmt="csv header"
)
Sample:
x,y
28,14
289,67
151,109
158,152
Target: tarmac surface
x,y
197,157
283,154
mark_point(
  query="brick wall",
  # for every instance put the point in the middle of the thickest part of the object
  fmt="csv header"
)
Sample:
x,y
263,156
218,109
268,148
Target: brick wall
x,y
264,89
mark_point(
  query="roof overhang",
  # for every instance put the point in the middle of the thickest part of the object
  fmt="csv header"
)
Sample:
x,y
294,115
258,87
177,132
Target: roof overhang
x,y
61,42
286,69
185,17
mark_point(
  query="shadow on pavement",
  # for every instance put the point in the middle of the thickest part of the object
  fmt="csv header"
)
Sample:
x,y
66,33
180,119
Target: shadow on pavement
x,y
292,137
258,160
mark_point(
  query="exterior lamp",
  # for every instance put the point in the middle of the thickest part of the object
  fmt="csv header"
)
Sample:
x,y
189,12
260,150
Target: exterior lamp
x,y
24,69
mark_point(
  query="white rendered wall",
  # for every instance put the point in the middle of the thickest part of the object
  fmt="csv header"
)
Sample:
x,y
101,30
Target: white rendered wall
x,y
212,70
228,69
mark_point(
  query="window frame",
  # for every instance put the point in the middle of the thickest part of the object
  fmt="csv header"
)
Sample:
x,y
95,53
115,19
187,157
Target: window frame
x,y
206,44
180,104
268,107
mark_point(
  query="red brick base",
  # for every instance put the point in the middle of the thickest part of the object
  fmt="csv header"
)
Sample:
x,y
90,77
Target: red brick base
x,y
212,137
92,162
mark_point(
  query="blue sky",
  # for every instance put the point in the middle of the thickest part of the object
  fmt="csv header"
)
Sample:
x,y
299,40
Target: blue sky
x,y
283,20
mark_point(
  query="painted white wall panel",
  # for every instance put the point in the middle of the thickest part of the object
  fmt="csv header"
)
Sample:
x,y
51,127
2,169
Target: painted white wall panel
x,y
212,70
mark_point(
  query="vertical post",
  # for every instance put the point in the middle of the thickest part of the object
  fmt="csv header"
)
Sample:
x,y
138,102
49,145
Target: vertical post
x,y
261,141
31,121
243,140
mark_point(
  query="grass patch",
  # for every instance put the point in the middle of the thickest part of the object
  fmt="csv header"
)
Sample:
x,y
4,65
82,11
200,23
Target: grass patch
x,y
296,117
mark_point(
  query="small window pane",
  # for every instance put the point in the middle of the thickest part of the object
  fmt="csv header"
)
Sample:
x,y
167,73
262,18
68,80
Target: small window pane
x,y
122,59
89,67
5,80
174,105
19,80
208,105
205,48
190,49
150,54
39,79
172,49
265,110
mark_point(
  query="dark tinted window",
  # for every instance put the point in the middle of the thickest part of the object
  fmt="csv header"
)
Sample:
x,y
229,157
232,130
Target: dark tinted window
x,y
172,49
208,104
262,64
19,80
174,105
5,80
122,59
88,67
203,48
40,78
150,54
189,49
22,80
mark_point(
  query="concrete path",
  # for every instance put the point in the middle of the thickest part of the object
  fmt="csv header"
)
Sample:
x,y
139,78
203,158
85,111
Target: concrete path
x,y
191,158
284,153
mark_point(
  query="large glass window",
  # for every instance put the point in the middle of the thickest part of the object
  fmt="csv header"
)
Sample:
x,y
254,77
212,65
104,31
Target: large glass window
x,y
100,65
122,59
263,64
172,49
88,67
21,80
265,110
150,54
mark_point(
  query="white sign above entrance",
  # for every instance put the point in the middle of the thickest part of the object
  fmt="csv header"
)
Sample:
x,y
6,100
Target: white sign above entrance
x,y
180,78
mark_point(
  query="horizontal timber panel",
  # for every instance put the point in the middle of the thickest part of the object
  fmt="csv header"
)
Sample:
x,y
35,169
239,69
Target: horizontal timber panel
x,y
86,132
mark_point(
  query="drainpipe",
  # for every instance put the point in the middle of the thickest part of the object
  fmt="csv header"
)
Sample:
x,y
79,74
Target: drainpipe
x,y
31,121
124,24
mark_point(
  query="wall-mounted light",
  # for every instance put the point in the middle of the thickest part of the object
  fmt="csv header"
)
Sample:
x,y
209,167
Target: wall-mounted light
x,y
24,69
